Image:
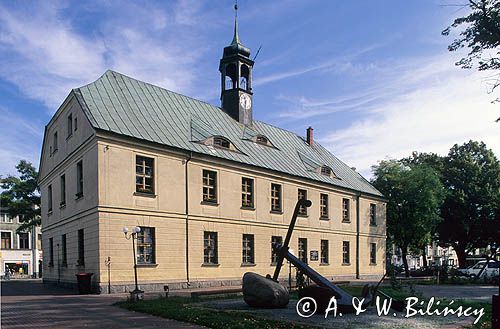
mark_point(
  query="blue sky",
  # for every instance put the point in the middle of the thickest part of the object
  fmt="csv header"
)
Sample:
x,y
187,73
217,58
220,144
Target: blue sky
x,y
374,78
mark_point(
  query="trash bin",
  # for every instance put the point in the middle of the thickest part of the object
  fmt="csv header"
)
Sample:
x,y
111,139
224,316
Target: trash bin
x,y
84,285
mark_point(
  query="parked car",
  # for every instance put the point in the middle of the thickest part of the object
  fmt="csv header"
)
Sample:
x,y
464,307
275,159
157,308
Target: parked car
x,y
491,270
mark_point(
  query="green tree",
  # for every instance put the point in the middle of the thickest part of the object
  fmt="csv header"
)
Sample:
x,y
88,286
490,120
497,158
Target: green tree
x,y
471,210
415,194
481,36
21,195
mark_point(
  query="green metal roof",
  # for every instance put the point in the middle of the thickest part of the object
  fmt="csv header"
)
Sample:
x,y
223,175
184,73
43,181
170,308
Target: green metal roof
x,y
133,108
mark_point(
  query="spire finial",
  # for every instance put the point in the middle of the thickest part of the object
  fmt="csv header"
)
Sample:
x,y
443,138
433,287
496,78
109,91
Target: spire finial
x,y
236,37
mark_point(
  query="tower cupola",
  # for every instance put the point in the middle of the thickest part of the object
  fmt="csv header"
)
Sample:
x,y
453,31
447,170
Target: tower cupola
x,y
236,78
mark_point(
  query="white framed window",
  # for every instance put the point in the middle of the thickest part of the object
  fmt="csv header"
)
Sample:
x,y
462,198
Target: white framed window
x,y
6,238
23,240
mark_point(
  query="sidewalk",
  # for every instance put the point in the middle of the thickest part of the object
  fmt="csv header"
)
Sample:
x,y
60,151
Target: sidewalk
x,y
31,304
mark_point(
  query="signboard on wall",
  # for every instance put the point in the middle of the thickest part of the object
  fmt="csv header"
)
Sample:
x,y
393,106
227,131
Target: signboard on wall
x,y
314,255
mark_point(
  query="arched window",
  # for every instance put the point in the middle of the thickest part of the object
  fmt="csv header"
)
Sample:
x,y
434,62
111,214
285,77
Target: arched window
x,y
222,142
229,83
243,83
245,74
231,76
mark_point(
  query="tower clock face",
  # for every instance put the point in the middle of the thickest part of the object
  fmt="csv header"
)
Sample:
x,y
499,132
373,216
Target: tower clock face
x,y
245,101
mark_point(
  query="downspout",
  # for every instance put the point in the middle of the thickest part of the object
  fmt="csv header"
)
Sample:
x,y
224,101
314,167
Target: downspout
x,y
186,182
357,235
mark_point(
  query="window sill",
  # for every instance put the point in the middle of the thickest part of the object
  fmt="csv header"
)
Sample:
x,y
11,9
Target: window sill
x,y
62,206
247,264
373,264
346,222
153,265
324,218
324,264
210,203
49,213
346,264
276,212
210,265
303,215
78,196
247,208
145,194
67,138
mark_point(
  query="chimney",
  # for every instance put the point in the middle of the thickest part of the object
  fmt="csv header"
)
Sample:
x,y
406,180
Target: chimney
x,y
310,135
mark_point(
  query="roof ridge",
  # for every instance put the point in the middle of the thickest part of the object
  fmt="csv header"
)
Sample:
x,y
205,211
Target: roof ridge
x,y
109,71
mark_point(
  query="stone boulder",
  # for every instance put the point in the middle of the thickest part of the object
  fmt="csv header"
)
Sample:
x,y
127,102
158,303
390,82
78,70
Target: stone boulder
x,y
263,292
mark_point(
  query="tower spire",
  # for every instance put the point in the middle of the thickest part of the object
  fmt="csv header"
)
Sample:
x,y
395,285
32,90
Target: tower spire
x,y
236,37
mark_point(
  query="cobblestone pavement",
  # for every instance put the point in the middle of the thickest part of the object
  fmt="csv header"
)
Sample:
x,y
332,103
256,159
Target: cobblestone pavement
x,y
32,304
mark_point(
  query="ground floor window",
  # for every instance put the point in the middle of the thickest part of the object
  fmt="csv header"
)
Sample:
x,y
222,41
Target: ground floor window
x,y
16,268
146,245
81,248
303,249
64,250
210,248
51,252
324,251
275,240
373,253
248,249
346,252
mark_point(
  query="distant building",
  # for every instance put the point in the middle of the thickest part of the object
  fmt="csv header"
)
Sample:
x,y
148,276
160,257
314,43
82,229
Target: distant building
x,y
21,253
210,188
435,255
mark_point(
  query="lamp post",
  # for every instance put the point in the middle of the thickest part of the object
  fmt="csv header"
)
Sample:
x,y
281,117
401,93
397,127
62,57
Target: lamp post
x,y
137,294
290,272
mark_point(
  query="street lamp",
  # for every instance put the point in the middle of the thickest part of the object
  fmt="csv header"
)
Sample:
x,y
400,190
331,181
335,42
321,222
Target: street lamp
x,y
137,294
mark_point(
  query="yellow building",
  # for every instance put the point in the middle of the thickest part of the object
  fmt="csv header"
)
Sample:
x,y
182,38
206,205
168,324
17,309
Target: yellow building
x,y
210,187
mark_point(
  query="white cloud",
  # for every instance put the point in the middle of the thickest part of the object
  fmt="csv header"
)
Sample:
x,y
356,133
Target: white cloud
x,y
445,106
46,55
21,139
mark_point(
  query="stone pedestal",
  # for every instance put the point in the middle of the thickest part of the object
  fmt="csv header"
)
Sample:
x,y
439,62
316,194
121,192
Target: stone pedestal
x,y
259,291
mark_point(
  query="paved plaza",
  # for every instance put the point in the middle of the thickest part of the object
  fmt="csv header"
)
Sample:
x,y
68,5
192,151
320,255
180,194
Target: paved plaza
x,y
31,304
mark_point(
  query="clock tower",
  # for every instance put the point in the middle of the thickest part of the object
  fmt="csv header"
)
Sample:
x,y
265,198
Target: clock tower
x,y
236,79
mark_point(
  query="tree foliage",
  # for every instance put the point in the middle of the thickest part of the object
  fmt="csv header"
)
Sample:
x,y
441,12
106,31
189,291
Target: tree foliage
x,y
21,195
481,36
414,194
471,210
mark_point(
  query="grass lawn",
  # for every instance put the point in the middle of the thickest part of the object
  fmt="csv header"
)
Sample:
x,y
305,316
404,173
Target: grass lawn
x,y
182,309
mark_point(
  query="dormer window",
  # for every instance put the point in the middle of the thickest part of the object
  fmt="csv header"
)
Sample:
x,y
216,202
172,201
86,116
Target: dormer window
x,y
262,140
222,142
326,171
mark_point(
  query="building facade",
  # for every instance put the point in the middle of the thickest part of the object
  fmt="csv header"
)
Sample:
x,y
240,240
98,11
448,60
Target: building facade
x,y
210,188
434,254
20,253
